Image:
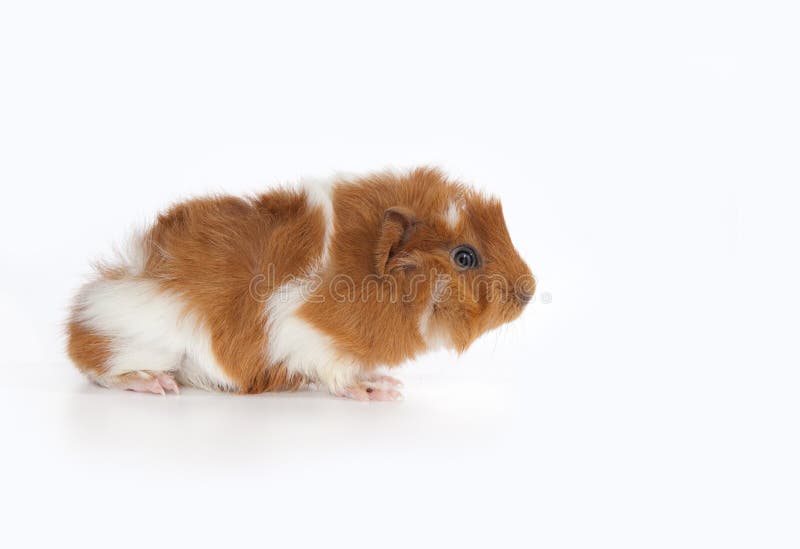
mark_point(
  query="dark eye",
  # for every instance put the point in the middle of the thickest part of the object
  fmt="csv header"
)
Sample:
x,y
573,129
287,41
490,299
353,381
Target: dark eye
x,y
465,257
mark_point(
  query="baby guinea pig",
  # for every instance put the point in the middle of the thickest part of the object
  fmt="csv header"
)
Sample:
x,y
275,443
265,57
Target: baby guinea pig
x,y
322,285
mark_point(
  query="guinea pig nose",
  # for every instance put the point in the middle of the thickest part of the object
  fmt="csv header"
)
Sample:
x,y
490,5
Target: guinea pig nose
x,y
524,297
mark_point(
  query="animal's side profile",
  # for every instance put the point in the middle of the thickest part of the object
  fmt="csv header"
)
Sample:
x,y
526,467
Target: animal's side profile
x,y
322,284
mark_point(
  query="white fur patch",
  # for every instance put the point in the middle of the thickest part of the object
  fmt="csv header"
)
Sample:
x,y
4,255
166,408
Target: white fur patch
x,y
453,215
435,338
150,330
319,193
301,347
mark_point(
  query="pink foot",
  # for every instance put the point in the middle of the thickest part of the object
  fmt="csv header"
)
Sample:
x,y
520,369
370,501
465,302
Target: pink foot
x,y
146,382
373,387
384,380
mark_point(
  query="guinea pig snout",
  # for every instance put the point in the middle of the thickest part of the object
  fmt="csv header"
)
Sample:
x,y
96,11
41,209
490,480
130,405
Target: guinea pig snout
x,y
524,288
524,296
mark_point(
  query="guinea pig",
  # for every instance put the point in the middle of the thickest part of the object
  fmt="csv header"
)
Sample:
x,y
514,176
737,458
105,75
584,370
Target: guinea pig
x,y
325,284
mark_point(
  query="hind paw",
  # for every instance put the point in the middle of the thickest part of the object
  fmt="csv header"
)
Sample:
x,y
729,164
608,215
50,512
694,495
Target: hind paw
x,y
146,382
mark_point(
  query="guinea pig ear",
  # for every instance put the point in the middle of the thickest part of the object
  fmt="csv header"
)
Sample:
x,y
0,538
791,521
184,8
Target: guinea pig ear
x,y
397,227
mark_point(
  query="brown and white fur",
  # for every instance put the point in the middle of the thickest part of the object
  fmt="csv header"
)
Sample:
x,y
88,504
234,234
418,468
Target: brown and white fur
x,y
321,284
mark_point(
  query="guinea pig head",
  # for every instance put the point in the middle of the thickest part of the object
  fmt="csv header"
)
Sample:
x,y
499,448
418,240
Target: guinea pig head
x,y
454,254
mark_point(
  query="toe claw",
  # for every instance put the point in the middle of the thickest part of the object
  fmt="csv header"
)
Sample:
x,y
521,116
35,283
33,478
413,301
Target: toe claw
x,y
156,388
168,383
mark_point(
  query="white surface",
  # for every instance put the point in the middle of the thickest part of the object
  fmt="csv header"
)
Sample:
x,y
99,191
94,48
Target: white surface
x,y
647,158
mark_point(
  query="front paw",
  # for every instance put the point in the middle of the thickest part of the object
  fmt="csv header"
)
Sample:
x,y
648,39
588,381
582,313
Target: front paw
x,y
373,387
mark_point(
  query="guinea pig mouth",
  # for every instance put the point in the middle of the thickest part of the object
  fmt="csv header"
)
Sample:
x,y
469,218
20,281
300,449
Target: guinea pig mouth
x,y
515,303
513,310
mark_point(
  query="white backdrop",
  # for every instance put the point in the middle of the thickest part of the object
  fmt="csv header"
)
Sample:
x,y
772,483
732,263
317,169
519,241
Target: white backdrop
x,y
647,157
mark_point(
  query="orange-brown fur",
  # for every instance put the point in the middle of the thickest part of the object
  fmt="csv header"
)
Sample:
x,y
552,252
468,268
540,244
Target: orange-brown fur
x,y
87,349
209,251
